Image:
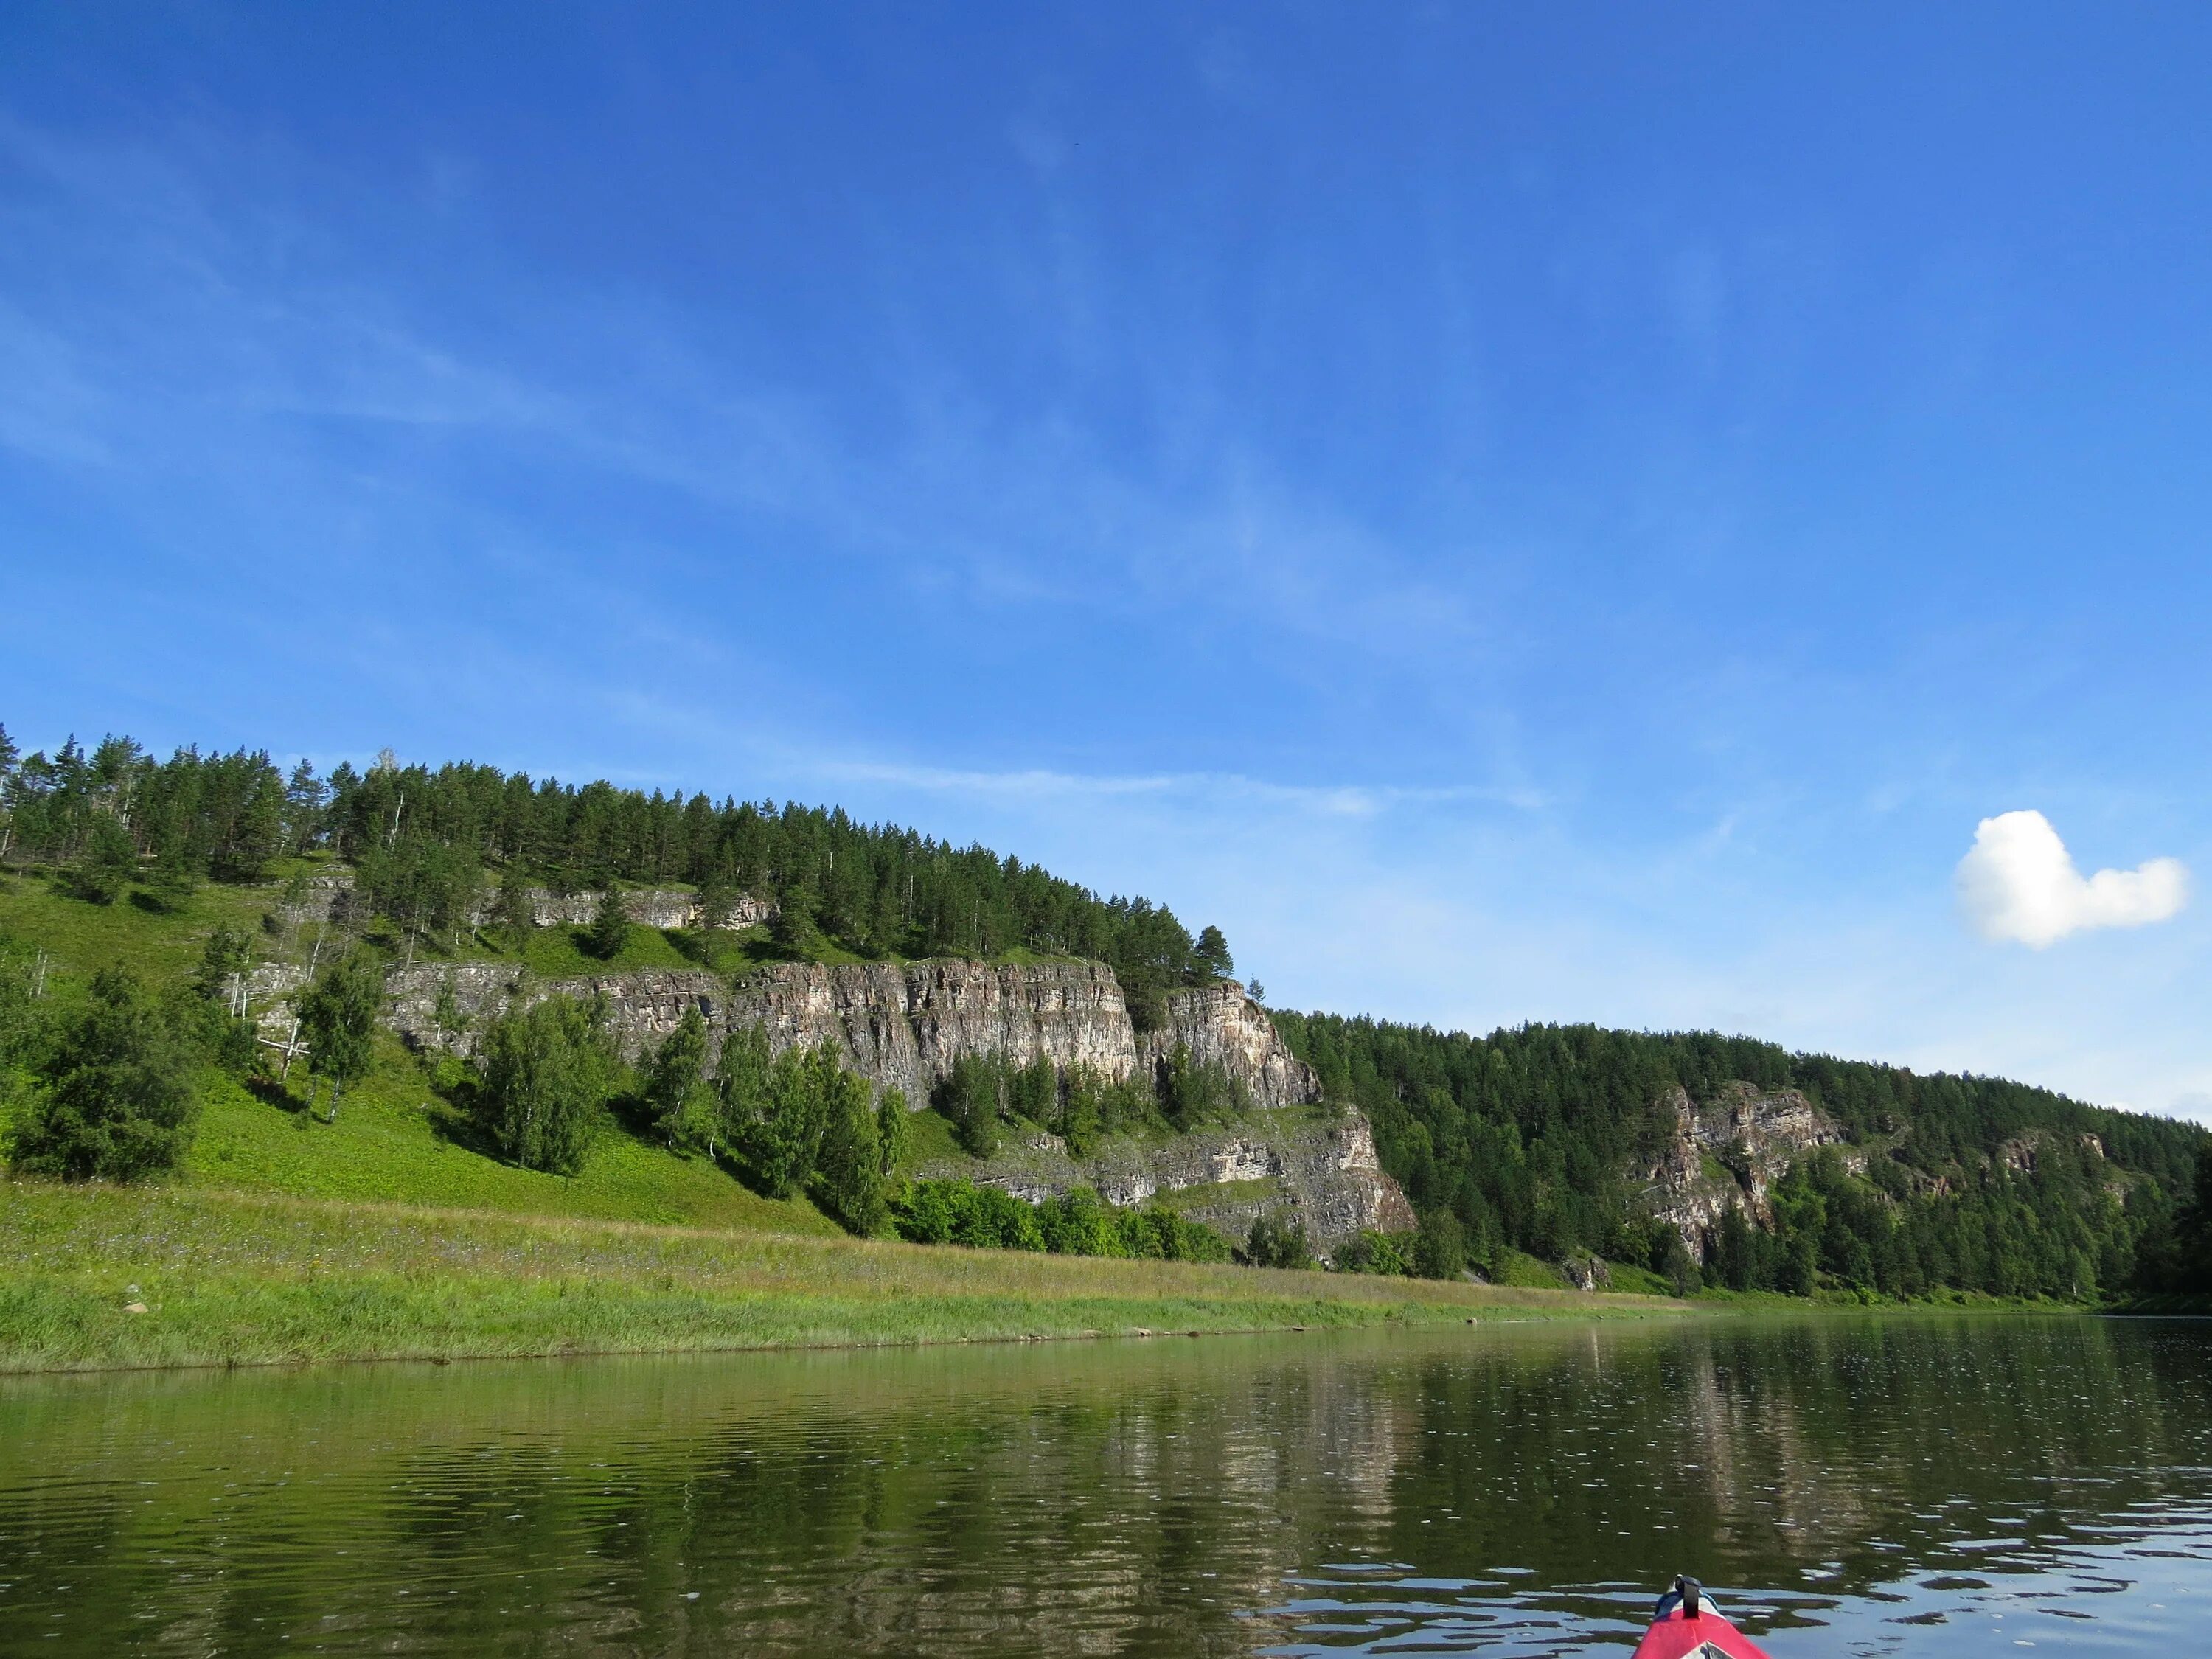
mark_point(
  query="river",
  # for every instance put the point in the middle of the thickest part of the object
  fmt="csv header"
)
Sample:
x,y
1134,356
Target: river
x,y
1910,1484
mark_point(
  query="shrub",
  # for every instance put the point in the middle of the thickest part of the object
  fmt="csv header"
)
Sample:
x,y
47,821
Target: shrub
x,y
1277,1242
117,1100
1376,1253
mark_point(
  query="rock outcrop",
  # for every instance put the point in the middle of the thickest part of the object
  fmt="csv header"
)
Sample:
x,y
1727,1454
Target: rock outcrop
x,y
330,896
903,1025
1320,1168
1222,1026
1728,1153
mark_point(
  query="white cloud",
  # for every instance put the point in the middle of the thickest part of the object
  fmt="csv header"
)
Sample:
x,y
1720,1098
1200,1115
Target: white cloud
x,y
2018,882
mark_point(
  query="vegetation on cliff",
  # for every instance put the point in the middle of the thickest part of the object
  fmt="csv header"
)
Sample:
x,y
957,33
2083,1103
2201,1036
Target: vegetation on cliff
x,y
430,843
1533,1142
1535,1138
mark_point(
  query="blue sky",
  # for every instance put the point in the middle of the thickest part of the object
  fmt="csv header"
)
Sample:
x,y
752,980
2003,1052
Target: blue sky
x,y
1538,512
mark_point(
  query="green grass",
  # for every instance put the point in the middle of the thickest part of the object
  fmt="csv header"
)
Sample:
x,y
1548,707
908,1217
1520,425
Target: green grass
x,y
159,946
1526,1273
388,1233
241,1279
397,1141
929,1139
1632,1280
558,952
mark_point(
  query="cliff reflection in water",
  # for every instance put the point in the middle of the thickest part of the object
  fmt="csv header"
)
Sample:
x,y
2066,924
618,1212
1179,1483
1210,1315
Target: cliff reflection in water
x,y
1517,1487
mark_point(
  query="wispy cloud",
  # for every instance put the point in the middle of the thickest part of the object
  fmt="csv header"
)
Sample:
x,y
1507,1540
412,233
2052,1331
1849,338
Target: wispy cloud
x,y
1333,800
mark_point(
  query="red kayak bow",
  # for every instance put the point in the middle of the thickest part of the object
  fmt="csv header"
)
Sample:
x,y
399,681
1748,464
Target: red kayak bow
x,y
1684,1626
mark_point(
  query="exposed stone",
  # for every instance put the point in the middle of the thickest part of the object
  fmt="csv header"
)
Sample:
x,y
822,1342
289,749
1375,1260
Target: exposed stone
x,y
1753,1137
902,1026
2020,1154
643,1006
1588,1273
652,907
1322,1169
330,896
1222,1026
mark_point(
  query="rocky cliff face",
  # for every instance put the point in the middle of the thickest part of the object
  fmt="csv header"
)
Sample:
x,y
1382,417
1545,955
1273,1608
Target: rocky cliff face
x,y
1222,1026
642,1006
902,1026
331,896
1725,1155
1323,1169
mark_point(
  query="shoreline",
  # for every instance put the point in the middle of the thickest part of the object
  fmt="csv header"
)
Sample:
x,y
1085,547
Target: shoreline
x,y
237,1278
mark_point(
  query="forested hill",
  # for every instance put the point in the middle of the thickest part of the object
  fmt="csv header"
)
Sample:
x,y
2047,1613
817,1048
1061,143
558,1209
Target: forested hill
x,y
1541,1138
427,841
1535,1138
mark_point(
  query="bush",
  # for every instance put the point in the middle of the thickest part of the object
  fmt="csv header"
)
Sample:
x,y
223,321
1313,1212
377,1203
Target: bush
x,y
961,1212
1080,1223
1163,1235
117,1100
547,1075
1277,1242
1376,1253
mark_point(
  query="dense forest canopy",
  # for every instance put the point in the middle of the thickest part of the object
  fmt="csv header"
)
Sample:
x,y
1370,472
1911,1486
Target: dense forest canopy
x,y
1534,1138
427,841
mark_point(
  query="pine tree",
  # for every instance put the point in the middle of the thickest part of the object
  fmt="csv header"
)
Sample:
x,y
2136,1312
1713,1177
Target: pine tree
x,y
1211,954
676,1089
848,1179
610,929
110,860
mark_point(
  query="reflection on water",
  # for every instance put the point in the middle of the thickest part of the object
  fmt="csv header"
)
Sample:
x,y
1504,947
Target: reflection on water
x,y
1849,1485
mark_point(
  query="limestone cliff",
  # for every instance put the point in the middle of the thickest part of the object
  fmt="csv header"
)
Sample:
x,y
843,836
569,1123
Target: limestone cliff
x,y
1318,1166
1222,1026
902,1026
331,896
1726,1154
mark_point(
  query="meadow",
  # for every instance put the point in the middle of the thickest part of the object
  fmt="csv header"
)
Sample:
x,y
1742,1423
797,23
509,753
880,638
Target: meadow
x,y
230,1278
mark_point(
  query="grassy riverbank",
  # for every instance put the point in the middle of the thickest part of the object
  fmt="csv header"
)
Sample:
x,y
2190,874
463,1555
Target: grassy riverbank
x,y
232,1278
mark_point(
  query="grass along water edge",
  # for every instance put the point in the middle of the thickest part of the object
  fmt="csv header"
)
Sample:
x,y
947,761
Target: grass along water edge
x,y
232,1278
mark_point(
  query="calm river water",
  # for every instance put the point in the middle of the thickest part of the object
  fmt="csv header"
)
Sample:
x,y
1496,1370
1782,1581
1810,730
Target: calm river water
x,y
1916,1485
